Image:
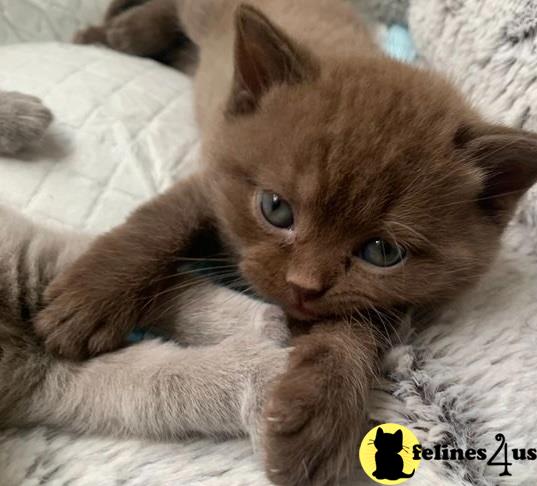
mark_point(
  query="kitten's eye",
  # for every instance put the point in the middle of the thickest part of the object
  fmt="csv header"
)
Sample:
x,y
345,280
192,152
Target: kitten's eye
x,y
381,253
277,211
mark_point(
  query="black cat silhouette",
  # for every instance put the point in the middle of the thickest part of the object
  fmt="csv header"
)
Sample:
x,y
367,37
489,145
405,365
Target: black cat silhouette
x,y
389,463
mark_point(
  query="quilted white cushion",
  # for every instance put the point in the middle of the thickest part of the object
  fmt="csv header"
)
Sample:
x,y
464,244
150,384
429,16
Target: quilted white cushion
x,y
123,131
46,20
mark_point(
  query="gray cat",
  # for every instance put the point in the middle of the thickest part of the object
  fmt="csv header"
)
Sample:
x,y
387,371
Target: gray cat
x,y
216,386
23,120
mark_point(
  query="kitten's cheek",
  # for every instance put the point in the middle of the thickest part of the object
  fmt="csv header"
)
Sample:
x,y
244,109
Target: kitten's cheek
x,y
264,282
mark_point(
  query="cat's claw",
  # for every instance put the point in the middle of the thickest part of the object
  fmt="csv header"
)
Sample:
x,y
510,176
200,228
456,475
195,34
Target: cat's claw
x,y
23,120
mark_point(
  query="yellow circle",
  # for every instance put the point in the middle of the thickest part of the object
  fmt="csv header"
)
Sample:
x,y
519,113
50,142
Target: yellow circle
x,y
387,456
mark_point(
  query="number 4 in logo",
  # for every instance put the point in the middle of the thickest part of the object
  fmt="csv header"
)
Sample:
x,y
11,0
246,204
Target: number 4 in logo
x,y
491,462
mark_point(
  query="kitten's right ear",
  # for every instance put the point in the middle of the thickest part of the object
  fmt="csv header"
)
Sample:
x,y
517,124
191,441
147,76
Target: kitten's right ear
x,y
507,158
264,57
380,433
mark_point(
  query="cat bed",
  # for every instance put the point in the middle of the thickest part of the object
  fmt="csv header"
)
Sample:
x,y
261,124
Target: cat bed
x,y
124,131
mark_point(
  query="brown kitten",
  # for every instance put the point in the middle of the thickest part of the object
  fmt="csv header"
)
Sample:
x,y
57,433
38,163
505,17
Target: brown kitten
x,y
147,28
350,188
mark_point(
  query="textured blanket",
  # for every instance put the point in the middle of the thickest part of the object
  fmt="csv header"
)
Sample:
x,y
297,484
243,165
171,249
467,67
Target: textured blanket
x,y
461,382
473,374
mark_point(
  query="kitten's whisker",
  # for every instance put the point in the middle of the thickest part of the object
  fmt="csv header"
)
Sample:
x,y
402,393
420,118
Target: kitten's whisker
x,y
388,329
420,236
194,271
208,259
369,325
174,288
478,199
235,292
187,284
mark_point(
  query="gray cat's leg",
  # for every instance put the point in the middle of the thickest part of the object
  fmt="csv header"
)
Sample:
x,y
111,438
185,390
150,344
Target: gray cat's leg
x,y
159,390
23,120
152,389
207,314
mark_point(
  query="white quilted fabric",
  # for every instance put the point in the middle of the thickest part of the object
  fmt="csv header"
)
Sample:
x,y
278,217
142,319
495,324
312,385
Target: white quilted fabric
x,y
45,20
124,130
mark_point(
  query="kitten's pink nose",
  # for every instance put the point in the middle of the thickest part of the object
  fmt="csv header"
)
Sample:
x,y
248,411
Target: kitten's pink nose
x,y
306,287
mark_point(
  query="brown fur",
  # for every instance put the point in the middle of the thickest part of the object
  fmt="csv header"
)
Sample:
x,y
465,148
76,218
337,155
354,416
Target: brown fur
x,y
147,28
362,146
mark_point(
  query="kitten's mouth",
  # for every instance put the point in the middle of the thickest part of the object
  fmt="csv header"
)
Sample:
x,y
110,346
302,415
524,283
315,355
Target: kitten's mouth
x,y
302,312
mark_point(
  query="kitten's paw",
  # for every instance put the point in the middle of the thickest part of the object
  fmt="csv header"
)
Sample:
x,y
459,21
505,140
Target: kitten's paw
x,y
80,321
311,432
134,32
23,120
91,35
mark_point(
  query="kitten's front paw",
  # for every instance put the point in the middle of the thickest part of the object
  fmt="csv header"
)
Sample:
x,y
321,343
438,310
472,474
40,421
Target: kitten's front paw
x,y
311,431
23,120
91,35
81,320
134,32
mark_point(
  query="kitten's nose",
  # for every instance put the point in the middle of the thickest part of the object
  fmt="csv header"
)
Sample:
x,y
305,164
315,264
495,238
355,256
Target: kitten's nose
x,y
302,294
306,288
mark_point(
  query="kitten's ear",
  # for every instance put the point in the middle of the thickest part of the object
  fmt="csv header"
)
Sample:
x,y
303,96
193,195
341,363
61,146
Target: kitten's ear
x,y
398,435
380,433
508,160
264,56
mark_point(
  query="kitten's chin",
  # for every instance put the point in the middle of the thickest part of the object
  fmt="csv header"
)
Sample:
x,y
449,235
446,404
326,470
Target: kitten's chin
x,y
302,313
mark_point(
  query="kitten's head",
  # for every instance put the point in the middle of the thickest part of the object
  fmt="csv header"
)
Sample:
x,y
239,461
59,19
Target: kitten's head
x,y
353,184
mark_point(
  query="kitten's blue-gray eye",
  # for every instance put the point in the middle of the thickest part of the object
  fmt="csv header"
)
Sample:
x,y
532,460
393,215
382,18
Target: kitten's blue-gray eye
x,y
382,253
276,211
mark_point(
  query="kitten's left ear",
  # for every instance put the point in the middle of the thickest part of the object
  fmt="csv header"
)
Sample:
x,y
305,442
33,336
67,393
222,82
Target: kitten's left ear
x,y
508,159
264,57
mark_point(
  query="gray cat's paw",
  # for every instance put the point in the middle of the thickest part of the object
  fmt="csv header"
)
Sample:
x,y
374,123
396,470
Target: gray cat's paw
x,y
23,120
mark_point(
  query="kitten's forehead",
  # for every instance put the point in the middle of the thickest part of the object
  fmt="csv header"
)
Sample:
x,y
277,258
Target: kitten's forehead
x,y
382,130
360,142
345,160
